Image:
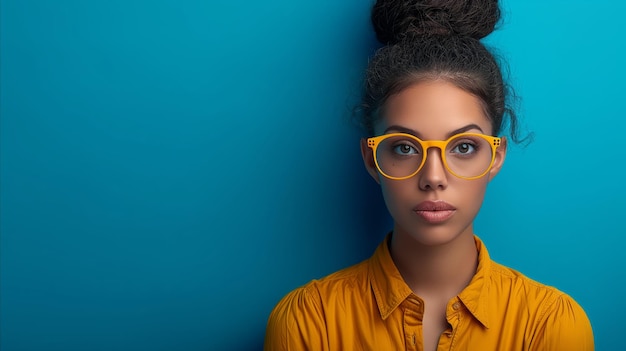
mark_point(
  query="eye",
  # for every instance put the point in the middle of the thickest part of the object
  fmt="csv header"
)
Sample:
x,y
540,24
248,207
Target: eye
x,y
465,148
404,149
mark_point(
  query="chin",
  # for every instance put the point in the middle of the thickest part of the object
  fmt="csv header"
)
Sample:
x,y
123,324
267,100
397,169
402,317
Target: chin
x,y
432,235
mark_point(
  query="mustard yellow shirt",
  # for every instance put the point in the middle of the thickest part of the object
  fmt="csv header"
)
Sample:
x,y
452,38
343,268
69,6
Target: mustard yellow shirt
x,y
369,307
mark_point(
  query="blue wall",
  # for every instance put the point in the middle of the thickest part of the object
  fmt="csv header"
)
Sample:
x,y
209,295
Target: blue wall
x,y
170,169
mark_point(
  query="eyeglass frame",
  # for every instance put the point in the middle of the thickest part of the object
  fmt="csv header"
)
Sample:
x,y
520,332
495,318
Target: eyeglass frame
x,y
494,142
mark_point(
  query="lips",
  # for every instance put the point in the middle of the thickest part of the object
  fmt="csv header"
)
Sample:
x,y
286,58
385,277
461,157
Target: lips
x,y
434,211
434,206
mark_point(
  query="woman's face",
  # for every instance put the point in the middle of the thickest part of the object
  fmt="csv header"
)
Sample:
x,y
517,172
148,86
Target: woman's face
x,y
433,207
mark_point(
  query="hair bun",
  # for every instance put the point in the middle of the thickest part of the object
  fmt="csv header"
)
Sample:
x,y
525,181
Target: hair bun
x,y
395,20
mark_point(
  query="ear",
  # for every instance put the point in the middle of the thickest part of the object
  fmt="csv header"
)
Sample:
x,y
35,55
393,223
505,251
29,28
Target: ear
x,y
499,159
368,160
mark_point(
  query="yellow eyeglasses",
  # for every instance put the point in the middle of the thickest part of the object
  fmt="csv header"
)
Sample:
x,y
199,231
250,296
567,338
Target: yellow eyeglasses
x,y
466,155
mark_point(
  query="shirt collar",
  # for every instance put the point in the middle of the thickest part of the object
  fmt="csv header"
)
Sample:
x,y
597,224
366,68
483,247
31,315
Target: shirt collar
x,y
387,283
475,295
390,289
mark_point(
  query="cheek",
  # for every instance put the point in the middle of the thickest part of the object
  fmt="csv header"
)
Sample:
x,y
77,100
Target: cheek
x,y
397,192
472,192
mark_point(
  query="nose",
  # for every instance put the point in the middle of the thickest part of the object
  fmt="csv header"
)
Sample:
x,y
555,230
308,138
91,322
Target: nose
x,y
433,175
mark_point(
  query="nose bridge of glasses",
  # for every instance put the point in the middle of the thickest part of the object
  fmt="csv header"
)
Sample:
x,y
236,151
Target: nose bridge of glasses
x,y
439,144
429,145
433,153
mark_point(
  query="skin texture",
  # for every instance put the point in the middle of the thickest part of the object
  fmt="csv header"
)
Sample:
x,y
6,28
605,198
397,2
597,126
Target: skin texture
x,y
436,260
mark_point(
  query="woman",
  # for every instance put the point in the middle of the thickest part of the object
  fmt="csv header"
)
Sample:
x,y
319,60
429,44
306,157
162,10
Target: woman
x,y
434,104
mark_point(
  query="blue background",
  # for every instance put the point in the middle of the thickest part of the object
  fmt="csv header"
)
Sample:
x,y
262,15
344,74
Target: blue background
x,y
170,169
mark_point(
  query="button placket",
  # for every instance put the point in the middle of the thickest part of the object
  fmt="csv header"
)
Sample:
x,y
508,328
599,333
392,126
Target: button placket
x,y
454,318
413,315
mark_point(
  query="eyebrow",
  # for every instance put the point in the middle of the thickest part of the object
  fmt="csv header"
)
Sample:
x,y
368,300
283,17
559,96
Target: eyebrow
x,y
401,129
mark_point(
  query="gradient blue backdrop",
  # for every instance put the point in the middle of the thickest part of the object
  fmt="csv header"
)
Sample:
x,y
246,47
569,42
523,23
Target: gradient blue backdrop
x,y
170,169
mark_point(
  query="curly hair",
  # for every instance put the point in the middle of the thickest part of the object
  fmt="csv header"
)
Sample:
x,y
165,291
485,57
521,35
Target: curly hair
x,y
431,40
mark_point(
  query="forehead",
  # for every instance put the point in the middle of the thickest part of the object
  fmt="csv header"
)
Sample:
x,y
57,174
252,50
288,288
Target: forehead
x,y
433,109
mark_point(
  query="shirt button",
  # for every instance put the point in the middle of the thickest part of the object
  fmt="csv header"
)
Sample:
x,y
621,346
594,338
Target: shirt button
x,y
456,306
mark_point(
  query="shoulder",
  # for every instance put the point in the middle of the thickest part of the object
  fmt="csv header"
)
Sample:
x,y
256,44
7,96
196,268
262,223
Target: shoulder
x,y
558,321
509,279
299,319
301,307
319,291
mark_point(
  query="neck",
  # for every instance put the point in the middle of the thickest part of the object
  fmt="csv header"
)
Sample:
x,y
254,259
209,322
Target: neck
x,y
435,270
